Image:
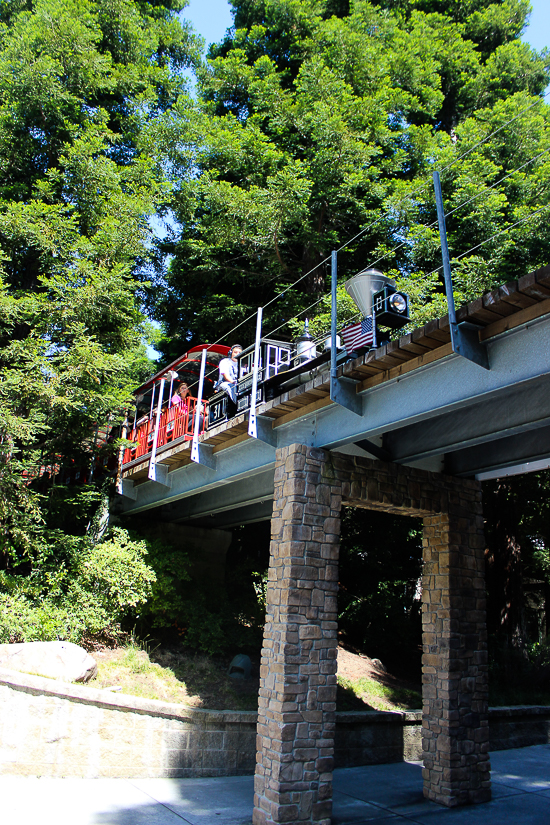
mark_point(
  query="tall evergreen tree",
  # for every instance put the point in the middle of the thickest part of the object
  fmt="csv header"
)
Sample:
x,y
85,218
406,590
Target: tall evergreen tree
x,y
79,83
316,118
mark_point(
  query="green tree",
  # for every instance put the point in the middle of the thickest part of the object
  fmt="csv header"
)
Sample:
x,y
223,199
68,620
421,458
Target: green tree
x,y
80,82
517,529
316,118
379,594
517,513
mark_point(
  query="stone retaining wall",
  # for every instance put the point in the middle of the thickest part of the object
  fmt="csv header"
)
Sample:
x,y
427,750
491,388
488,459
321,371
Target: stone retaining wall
x,y
50,728
372,738
377,737
519,727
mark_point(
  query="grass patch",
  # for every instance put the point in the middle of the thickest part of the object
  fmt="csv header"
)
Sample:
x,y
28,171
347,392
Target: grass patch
x,y
376,695
131,670
197,680
192,680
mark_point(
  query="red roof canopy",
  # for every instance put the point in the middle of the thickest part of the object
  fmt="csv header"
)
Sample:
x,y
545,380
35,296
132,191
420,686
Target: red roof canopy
x,y
219,349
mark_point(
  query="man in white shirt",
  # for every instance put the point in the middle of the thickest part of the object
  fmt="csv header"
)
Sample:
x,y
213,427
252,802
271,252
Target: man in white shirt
x,y
229,373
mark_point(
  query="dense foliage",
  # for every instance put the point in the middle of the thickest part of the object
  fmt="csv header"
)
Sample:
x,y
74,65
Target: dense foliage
x,y
517,511
313,119
80,82
518,581
316,118
379,597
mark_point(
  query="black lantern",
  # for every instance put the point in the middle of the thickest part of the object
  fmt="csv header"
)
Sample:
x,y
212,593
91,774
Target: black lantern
x,y
391,308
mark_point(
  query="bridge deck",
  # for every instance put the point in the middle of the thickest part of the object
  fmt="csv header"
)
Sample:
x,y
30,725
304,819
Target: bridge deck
x,y
510,306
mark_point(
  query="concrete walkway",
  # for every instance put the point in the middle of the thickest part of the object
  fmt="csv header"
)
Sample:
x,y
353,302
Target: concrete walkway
x,y
379,793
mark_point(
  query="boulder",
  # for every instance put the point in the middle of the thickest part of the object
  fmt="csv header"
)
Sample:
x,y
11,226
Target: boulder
x,y
57,660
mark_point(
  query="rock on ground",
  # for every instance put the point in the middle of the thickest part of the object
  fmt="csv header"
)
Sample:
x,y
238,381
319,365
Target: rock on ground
x,y
57,660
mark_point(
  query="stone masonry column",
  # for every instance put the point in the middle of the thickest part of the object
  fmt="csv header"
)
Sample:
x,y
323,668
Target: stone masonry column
x,y
297,700
455,730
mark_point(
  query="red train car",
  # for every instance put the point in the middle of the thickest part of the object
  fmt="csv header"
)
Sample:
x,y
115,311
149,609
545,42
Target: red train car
x,y
154,401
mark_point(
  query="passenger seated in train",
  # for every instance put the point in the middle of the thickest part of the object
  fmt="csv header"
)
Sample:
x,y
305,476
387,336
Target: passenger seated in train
x,y
183,400
228,376
180,397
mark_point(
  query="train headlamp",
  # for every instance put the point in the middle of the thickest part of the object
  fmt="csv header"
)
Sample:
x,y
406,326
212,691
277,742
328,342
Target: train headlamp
x,y
398,302
391,308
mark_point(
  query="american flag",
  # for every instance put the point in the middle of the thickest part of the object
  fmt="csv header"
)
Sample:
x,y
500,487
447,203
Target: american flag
x,y
358,335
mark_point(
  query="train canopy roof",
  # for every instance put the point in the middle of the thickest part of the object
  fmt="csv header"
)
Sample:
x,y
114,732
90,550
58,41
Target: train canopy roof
x,y
215,353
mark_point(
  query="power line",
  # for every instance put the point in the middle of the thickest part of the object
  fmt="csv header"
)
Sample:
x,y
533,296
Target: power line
x,y
295,317
416,192
458,257
322,335
496,131
357,315
488,240
359,234
502,231
486,190
497,183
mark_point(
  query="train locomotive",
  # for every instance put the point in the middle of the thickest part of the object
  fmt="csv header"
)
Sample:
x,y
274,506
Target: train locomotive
x,y
281,366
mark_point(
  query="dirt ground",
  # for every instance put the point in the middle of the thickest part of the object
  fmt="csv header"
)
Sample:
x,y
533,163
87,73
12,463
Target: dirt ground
x,y
357,666
174,675
365,684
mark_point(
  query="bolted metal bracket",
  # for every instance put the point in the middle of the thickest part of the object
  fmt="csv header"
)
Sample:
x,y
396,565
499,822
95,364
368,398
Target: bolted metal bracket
x,y
469,346
263,430
204,456
128,489
159,474
342,392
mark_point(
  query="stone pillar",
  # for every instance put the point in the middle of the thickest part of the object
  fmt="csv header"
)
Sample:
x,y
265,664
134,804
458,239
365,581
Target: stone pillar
x,y
455,728
297,701
296,718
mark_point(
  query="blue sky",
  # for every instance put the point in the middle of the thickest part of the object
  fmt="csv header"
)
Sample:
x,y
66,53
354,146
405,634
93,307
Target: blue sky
x,y
212,17
538,31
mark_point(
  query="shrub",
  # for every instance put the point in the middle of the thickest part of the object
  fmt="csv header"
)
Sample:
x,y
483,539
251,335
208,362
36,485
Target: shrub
x,y
92,590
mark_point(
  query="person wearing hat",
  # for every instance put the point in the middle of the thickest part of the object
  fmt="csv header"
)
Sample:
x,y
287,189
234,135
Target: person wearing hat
x,y
229,373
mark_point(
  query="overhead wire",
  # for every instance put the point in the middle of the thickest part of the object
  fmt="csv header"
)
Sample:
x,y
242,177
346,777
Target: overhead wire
x,y
365,229
415,193
434,223
295,317
496,235
359,314
452,163
484,191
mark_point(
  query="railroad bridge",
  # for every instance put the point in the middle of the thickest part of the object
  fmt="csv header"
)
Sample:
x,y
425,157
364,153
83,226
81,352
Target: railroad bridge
x,y
430,424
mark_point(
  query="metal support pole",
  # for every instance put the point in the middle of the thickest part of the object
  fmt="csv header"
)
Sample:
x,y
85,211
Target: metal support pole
x,y
333,319
464,337
195,454
252,420
120,457
341,392
172,375
152,474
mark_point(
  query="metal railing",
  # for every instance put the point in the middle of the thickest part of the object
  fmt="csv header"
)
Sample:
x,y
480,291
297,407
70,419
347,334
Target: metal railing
x,y
175,422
